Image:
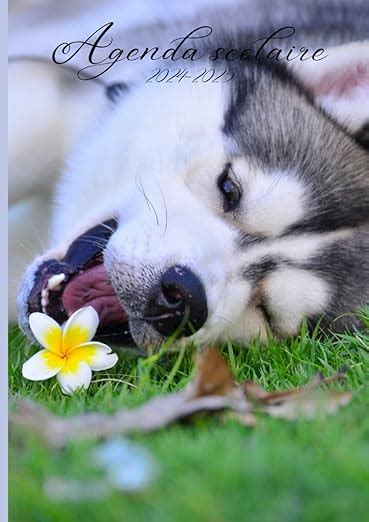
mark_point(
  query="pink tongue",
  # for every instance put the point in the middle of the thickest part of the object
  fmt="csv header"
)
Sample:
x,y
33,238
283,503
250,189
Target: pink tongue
x,y
93,289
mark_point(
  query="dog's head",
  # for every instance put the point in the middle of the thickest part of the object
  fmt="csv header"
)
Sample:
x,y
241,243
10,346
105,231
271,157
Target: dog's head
x,y
236,207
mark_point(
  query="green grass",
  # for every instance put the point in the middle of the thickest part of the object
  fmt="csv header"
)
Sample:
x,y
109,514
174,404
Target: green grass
x,y
212,470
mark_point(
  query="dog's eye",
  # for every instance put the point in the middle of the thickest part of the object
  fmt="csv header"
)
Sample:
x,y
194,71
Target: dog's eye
x,y
230,190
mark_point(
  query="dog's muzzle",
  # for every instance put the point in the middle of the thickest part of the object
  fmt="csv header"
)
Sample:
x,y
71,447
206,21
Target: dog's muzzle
x,y
175,304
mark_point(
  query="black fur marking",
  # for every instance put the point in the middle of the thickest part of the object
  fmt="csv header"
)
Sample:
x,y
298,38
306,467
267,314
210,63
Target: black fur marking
x,y
246,82
256,272
244,240
339,264
362,136
269,319
115,90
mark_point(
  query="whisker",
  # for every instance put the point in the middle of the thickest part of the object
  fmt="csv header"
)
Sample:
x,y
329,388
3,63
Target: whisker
x,y
108,227
166,210
148,202
272,186
224,319
114,334
156,317
94,240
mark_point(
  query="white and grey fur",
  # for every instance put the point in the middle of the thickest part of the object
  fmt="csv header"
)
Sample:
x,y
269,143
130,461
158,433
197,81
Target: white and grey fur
x,y
297,246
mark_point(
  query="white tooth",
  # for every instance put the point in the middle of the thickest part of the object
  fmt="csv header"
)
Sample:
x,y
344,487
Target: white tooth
x,y
55,281
44,299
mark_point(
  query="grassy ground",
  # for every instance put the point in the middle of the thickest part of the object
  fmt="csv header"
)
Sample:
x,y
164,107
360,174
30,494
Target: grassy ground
x,y
212,470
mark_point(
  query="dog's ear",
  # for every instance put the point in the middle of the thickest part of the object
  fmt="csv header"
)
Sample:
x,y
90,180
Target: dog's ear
x,y
339,83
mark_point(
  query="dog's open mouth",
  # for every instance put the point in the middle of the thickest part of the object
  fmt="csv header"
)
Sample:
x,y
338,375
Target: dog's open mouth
x,y
79,280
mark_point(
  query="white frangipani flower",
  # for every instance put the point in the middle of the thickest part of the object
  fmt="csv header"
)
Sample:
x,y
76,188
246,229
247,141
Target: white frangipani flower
x,y
68,351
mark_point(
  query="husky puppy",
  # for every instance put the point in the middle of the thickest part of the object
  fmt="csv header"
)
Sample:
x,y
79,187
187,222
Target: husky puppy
x,y
221,210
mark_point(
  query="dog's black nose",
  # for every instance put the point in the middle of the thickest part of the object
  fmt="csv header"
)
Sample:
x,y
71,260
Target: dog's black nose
x,y
180,300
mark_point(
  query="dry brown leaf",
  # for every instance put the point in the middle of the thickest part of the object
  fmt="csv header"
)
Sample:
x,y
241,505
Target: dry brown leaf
x,y
254,391
213,376
212,390
308,404
257,393
306,401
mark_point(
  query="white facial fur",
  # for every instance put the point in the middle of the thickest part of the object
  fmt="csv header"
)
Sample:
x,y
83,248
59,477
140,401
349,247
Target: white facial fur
x,y
156,166
273,201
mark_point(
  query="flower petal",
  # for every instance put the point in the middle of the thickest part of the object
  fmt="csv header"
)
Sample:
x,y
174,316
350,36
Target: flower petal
x,y
42,365
80,328
97,355
47,331
75,374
